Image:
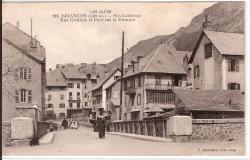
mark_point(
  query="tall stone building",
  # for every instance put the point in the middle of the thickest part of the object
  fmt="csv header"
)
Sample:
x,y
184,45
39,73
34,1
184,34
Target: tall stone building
x,y
23,71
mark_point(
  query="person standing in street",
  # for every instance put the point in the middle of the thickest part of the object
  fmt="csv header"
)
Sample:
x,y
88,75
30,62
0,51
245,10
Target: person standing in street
x,y
101,123
65,123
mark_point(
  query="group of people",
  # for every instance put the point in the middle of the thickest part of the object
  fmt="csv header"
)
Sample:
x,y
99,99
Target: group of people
x,y
73,124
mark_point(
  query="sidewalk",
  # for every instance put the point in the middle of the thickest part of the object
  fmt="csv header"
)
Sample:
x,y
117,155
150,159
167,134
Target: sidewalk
x,y
141,137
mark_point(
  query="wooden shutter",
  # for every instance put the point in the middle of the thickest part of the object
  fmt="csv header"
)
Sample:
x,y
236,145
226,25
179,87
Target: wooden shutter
x,y
21,72
29,73
238,86
198,71
29,96
16,73
229,86
16,96
229,65
237,65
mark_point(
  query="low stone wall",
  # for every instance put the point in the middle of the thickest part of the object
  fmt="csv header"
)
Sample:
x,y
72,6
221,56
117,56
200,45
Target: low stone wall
x,y
42,128
6,133
218,129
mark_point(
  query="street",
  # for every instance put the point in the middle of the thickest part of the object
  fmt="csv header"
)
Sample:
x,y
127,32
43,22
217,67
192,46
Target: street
x,y
85,142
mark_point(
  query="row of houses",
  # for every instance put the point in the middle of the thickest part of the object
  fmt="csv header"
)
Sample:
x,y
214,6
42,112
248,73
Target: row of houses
x,y
68,86
205,83
198,82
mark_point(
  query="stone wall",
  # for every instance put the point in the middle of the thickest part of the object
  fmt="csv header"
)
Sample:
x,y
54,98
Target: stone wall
x,y
6,133
42,128
218,129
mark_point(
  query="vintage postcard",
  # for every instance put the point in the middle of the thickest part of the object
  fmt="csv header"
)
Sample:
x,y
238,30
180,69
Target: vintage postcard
x,y
123,78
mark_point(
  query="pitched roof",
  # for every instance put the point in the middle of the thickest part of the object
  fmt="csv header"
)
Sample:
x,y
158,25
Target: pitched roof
x,y
72,72
22,40
55,78
105,79
164,59
226,43
211,100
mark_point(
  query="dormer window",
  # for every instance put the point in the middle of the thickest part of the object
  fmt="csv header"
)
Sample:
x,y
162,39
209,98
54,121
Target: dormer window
x,y
208,50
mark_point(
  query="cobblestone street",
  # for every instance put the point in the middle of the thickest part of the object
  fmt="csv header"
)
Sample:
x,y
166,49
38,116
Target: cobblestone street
x,y
85,142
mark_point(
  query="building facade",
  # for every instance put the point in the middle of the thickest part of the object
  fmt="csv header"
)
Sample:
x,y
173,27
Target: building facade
x,y
74,82
23,71
147,84
218,61
100,92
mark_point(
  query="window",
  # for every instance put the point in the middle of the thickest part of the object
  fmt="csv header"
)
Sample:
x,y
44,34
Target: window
x,y
116,77
70,95
70,85
93,81
78,85
160,97
208,50
50,105
62,97
233,86
16,96
86,103
23,95
78,95
196,71
23,72
139,99
29,73
85,95
233,65
78,105
157,79
139,81
49,97
61,105
70,105
29,96
85,86
61,115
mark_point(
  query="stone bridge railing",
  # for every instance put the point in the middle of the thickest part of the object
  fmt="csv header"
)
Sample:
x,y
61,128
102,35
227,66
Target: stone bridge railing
x,y
156,127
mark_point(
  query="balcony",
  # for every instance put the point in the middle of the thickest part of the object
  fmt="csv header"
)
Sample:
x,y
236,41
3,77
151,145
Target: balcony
x,y
74,101
130,90
160,87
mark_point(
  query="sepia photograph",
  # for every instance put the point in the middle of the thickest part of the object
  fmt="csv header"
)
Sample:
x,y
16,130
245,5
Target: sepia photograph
x,y
123,78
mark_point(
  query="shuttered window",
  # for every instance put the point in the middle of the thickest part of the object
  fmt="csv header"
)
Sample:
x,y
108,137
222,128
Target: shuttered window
x,y
233,65
23,95
233,86
208,50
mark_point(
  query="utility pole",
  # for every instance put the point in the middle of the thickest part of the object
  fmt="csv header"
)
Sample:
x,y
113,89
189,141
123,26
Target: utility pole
x,y
31,31
121,86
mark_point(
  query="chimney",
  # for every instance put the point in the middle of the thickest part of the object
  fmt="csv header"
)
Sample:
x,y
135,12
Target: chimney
x,y
139,58
18,24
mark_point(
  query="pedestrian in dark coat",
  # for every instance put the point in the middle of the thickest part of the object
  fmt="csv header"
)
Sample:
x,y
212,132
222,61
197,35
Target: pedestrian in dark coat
x,y
101,122
65,123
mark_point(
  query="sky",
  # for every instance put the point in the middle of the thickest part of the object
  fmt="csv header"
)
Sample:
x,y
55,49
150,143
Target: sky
x,y
100,42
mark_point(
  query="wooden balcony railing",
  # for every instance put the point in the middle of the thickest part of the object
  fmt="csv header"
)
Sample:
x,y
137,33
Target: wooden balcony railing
x,y
160,86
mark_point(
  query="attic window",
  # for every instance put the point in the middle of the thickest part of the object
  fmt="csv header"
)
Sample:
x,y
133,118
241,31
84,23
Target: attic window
x,y
208,50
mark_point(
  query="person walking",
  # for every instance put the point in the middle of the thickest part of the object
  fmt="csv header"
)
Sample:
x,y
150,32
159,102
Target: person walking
x,y
101,123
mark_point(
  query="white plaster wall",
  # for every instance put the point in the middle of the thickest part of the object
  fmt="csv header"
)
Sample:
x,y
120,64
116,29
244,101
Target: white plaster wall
x,y
55,100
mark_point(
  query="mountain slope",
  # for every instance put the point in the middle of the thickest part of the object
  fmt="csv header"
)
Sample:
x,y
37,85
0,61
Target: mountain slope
x,y
225,17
